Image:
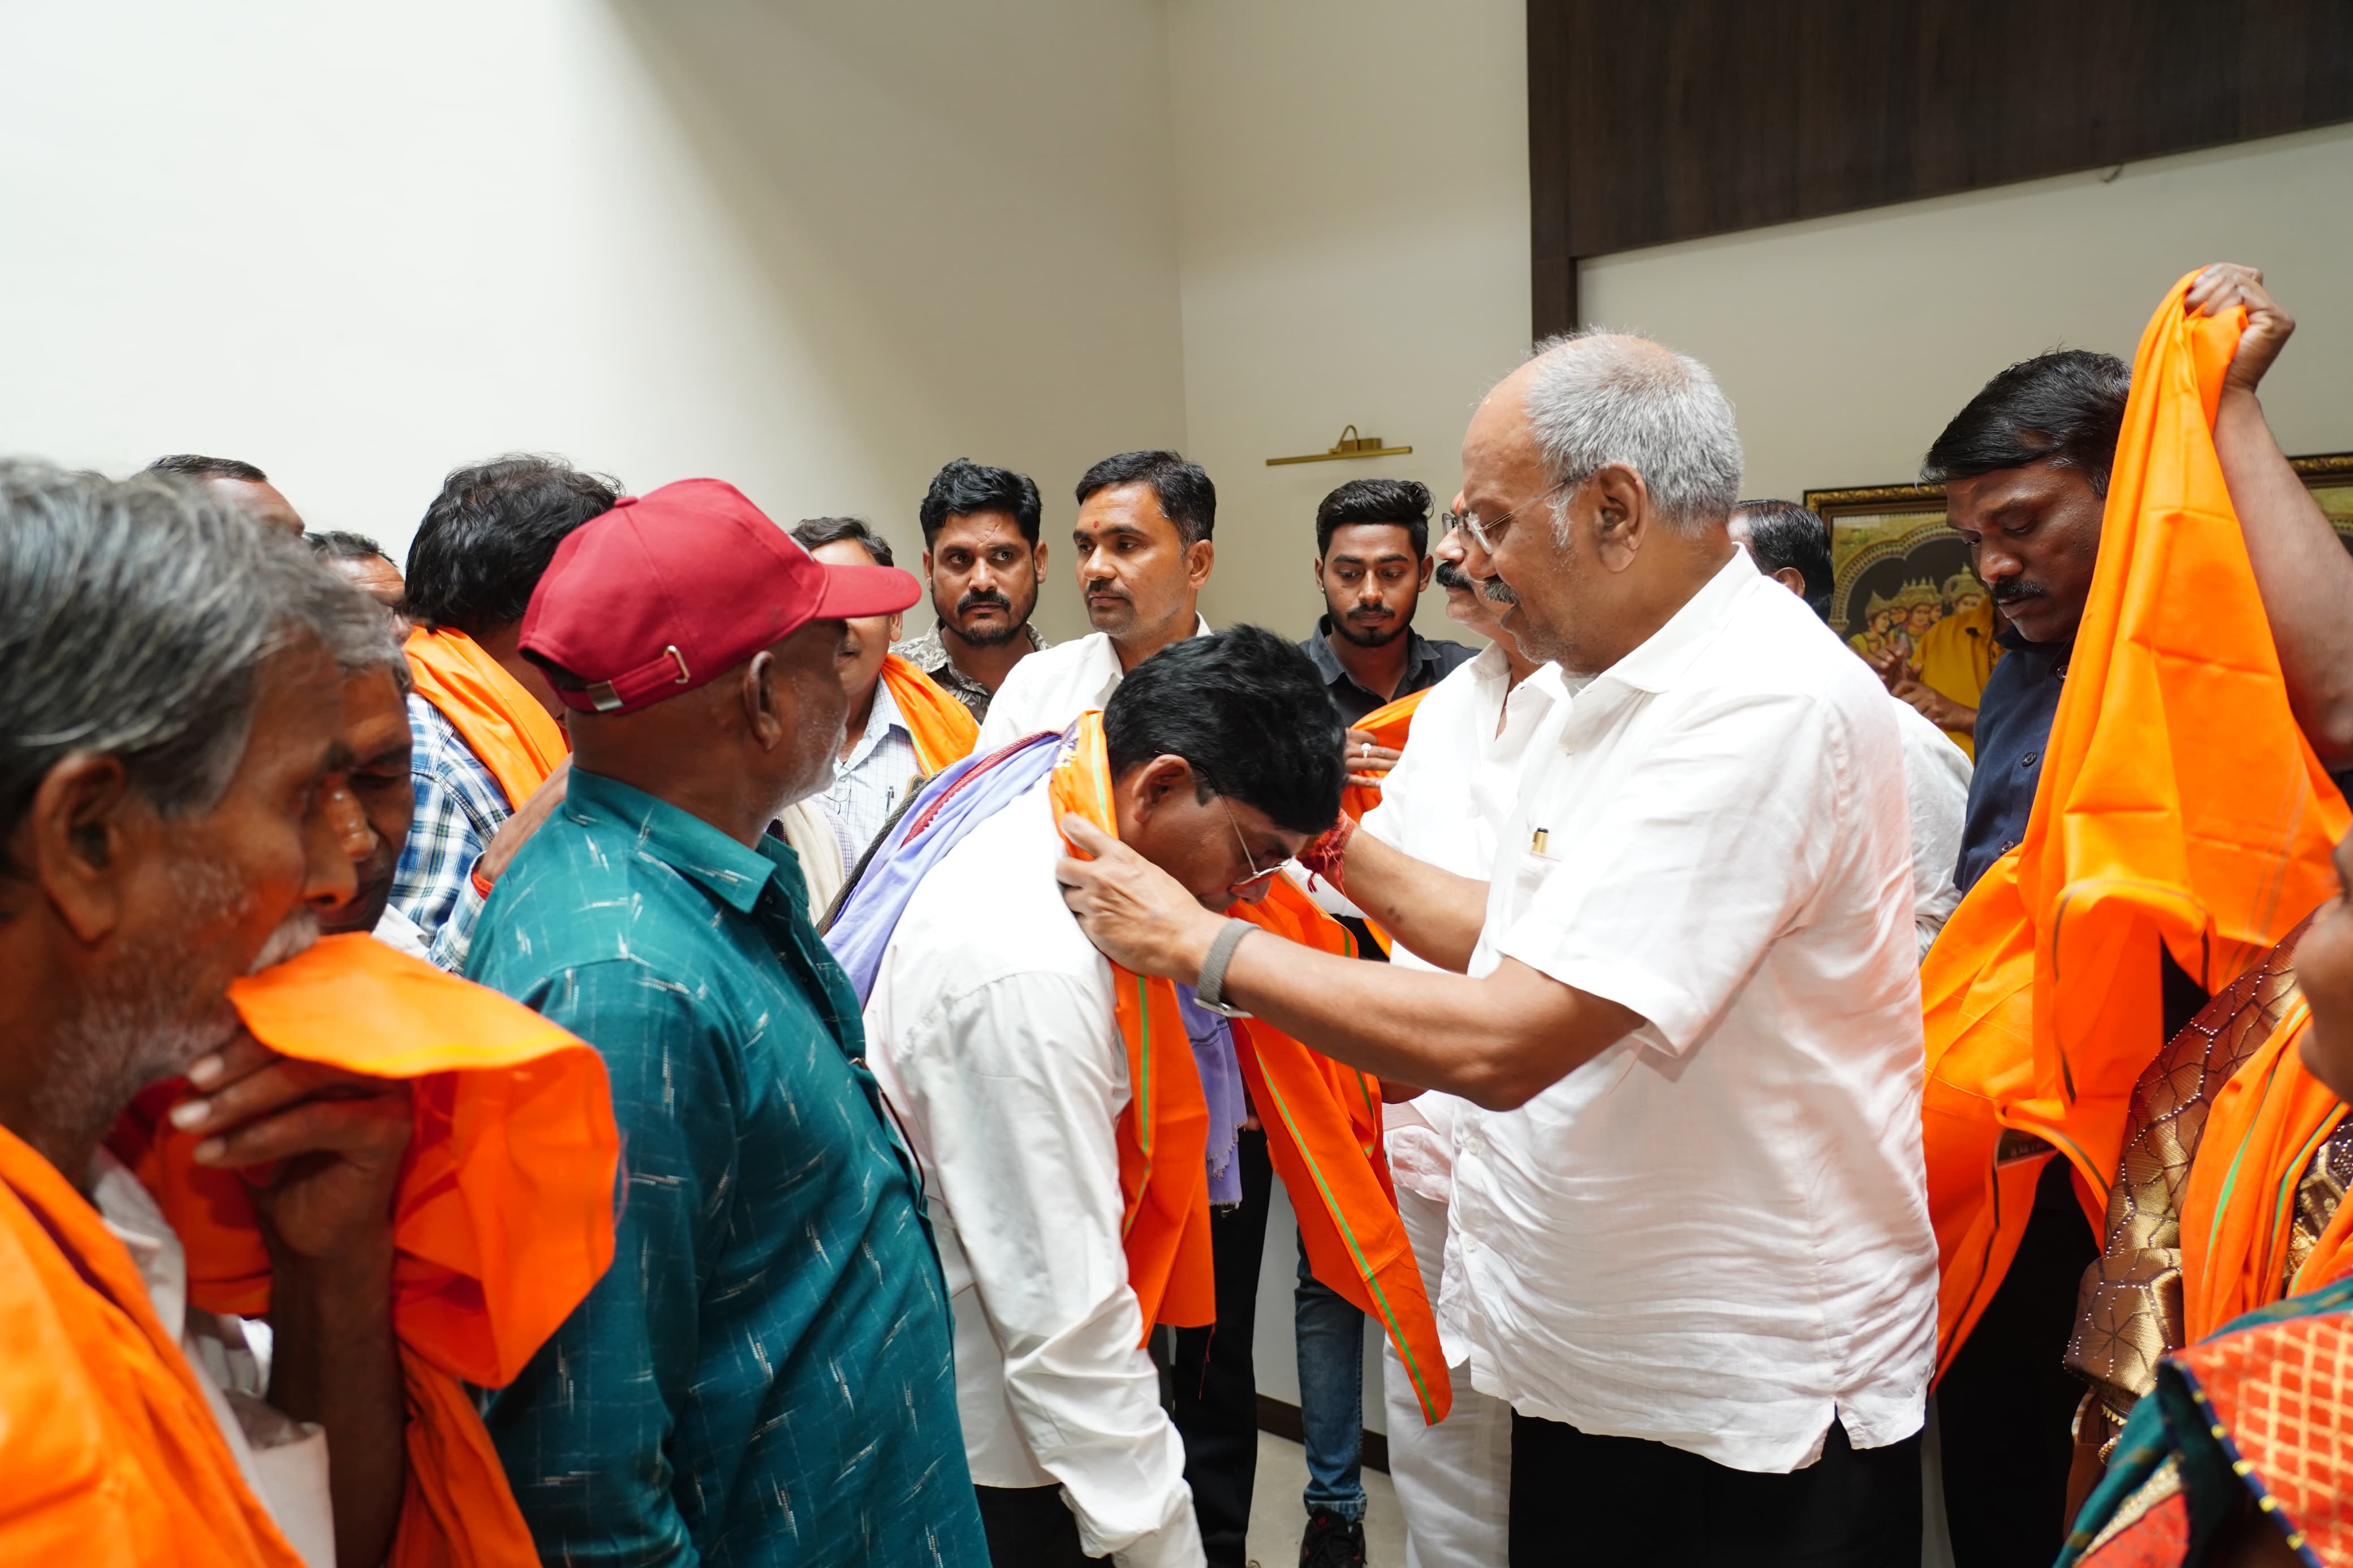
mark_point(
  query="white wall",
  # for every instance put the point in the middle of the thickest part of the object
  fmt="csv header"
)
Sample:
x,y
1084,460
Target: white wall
x,y
812,249
1845,343
1353,185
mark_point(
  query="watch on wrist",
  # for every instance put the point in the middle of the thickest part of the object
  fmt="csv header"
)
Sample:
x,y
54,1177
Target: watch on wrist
x,y
1209,990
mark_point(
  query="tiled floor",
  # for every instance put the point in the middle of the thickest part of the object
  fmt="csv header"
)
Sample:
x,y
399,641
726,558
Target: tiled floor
x,y
1277,1519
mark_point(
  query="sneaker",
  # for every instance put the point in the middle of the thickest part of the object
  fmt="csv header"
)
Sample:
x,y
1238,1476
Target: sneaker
x,y
1332,1542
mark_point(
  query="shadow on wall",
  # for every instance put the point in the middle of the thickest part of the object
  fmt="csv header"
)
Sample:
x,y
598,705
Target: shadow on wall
x,y
966,212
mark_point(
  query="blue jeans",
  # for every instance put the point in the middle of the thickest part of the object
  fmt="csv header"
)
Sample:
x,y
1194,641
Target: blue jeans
x,y
1331,1339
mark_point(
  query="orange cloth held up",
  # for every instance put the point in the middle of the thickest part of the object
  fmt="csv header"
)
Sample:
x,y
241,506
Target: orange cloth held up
x,y
502,724
942,727
110,1457
1388,725
502,1222
2179,809
1323,1124
2238,1207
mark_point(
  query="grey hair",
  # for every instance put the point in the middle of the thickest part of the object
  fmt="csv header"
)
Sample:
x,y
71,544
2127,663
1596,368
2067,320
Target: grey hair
x,y
1599,397
135,618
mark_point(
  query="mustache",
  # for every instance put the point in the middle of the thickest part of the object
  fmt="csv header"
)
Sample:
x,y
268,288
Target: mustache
x,y
1450,575
294,934
1499,591
2013,590
1103,591
980,597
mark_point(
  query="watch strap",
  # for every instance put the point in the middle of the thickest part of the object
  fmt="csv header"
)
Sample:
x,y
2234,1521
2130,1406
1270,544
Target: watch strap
x,y
1209,990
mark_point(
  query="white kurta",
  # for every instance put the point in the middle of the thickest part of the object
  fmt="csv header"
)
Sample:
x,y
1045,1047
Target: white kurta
x,y
991,1030
1446,802
1054,686
1714,1233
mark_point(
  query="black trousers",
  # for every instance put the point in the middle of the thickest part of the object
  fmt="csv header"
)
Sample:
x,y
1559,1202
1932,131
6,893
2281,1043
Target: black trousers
x,y
1030,1527
2005,1407
1213,1386
1603,1502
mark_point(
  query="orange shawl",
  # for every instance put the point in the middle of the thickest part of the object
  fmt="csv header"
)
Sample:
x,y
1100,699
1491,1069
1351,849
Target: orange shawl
x,y
502,1222
1323,1124
2238,1205
1389,724
504,725
110,1457
942,727
2179,805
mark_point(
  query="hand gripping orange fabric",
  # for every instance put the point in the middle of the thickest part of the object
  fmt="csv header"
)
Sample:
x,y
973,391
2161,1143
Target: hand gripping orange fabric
x,y
2178,805
502,724
1390,725
2238,1207
503,1219
110,1457
1323,1124
942,727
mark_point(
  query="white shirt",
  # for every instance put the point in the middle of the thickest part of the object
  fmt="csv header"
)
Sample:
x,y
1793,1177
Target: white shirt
x,y
991,1030
1446,803
1937,787
401,934
1054,686
875,778
1713,1235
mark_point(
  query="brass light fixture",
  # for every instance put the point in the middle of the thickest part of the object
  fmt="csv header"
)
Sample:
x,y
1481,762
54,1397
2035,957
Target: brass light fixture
x,y
1351,445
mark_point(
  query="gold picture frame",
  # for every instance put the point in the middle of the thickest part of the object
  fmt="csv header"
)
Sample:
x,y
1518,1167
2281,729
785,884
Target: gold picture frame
x,y
1896,569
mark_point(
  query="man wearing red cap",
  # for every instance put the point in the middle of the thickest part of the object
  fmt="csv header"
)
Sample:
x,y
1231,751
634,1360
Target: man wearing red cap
x,y
766,1373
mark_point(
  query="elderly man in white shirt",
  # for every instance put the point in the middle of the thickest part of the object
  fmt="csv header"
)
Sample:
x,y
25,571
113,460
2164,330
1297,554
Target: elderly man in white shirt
x,y
1690,1219
1446,802
1144,551
1792,544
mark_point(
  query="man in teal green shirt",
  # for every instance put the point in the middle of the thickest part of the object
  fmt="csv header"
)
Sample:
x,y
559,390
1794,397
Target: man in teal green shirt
x,y
764,1375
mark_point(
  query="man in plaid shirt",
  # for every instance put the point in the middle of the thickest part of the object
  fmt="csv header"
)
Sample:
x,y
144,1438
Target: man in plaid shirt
x,y
479,551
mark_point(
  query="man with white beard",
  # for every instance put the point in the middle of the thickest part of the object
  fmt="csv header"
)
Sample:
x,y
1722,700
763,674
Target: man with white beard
x,y
176,814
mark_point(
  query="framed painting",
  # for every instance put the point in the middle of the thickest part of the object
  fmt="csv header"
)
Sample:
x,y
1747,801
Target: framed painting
x,y
1896,570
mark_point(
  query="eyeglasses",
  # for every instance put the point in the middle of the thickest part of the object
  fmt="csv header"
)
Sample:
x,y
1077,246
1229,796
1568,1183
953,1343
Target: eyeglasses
x,y
1243,887
1486,533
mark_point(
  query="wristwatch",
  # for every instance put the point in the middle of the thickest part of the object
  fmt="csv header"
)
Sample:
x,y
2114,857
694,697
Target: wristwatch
x,y
1209,991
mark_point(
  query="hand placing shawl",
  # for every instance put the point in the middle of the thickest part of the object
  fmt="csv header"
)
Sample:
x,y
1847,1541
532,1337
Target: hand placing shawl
x,y
504,725
1390,725
502,1222
2179,809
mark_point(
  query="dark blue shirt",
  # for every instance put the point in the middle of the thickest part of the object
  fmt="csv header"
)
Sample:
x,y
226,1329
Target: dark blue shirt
x,y
764,1373
1428,661
2014,714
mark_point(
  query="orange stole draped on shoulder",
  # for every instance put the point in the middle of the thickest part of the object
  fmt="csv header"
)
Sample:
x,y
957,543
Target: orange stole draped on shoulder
x,y
110,1457
942,727
504,725
1323,1123
2179,808
1390,725
503,1219
2238,1208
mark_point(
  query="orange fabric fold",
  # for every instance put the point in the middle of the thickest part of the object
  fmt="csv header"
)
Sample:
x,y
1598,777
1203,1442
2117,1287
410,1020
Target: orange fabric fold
x,y
502,724
1323,1124
2179,809
942,727
1390,725
503,1219
2238,1208
110,1457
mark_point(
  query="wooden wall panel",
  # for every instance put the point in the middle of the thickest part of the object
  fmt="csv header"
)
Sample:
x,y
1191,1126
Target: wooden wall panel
x,y
1651,120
